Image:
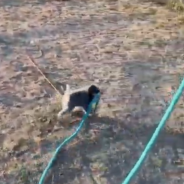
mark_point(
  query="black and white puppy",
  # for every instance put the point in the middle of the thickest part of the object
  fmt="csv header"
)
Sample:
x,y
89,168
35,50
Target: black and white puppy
x,y
77,100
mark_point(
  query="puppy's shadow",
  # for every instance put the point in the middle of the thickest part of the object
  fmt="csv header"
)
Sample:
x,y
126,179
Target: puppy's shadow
x,y
71,119
115,144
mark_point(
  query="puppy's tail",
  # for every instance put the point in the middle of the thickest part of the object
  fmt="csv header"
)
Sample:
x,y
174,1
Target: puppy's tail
x,y
67,88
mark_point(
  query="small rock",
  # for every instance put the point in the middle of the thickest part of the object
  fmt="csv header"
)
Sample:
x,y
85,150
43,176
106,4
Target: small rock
x,y
97,80
43,119
32,42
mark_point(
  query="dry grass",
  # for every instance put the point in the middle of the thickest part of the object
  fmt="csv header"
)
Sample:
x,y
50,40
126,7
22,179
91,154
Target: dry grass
x,y
39,126
130,48
176,5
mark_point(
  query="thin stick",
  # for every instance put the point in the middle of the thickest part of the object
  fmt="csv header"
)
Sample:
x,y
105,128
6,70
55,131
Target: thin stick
x,y
33,62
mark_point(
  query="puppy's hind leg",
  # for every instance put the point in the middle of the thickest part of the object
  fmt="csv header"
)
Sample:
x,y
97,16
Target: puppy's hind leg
x,y
62,112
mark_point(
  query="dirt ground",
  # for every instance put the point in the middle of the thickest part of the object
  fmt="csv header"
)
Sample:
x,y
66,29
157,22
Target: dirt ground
x,y
133,50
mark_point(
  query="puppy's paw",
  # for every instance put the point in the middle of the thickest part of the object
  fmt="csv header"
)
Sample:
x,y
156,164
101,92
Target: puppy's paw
x,y
57,127
59,116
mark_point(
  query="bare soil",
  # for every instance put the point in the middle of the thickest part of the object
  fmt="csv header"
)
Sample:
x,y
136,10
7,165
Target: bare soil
x,y
133,50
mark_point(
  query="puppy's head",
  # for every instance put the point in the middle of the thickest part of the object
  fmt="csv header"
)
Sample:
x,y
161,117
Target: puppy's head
x,y
93,90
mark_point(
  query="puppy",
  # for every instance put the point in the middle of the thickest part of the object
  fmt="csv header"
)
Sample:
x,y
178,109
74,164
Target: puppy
x,y
77,100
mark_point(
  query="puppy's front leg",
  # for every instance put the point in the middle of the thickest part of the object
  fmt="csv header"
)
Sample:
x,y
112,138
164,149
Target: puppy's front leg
x,y
79,108
95,108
